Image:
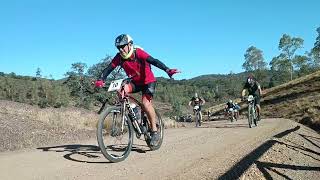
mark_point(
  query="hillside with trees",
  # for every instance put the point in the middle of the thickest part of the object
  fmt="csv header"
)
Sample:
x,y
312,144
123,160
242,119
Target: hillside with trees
x,y
76,88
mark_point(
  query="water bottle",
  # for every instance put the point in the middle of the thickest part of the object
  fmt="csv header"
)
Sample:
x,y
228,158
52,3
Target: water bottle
x,y
137,111
134,116
144,124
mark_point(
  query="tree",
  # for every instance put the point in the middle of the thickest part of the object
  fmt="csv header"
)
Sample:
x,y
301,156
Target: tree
x,y
302,64
280,70
77,69
315,52
76,81
254,60
60,96
44,89
255,63
33,94
96,70
38,73
288,46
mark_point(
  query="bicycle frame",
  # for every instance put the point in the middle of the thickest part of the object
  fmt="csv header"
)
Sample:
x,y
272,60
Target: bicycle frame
x,y
231,114
124,124
124,99
197,116
251,111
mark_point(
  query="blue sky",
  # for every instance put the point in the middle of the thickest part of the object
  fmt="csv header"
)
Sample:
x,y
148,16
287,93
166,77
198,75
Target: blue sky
x,y
197,37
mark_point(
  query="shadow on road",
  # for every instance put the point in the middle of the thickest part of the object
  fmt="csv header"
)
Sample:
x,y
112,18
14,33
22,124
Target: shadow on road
x,y
243,165
225,124
88,151
91,152
308,138
263,166
230,126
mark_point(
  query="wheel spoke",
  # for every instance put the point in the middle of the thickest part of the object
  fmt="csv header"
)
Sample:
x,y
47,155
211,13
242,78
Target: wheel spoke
x,y
114,136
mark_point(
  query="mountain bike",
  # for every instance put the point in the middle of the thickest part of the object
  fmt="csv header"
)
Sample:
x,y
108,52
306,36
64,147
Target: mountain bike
x,y
118,124
197,113
252,112
232,114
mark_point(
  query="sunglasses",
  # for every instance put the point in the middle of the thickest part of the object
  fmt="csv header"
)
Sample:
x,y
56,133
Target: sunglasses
x,y
122,46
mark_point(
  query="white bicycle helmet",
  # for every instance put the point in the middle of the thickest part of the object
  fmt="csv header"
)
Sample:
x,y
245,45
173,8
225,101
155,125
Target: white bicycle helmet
x,y
123,39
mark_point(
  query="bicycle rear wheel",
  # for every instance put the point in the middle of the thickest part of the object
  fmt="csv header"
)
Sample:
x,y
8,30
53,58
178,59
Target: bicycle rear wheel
x,y
231,115
196,119
250,115
199,118
255,117
160,127
114,135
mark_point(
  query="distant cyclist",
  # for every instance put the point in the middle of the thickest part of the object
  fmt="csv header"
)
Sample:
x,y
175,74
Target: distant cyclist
x,y
254,89
197,101
237,109
231,107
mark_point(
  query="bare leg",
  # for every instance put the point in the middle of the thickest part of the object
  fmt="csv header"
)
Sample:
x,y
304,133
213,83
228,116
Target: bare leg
x,y
148,108
258,109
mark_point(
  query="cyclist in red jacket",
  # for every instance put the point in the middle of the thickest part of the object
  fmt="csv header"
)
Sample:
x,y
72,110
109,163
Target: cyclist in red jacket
x,y
137,64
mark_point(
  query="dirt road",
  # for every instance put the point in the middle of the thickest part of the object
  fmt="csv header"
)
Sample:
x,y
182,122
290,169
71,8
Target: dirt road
x,y
218,149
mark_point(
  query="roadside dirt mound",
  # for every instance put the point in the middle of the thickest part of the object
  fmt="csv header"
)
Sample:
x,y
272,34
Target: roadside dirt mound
x,y
19,133
64,117
24,126
298,100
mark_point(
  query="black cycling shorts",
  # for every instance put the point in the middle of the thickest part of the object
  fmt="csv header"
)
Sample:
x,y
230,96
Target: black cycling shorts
x,y
257,99
148,89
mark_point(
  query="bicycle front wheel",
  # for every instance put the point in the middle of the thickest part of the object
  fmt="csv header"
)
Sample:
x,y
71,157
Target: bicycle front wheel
x,y
114,134
199,118
196,120
250,115
255,117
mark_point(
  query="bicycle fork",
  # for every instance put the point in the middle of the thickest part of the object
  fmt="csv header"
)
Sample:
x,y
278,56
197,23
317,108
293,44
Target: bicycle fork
x,y
134,121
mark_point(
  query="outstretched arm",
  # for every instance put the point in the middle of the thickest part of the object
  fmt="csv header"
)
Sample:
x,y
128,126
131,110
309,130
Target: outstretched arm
x,y
260,90
203,101
106,72
162,66
243,93
157,63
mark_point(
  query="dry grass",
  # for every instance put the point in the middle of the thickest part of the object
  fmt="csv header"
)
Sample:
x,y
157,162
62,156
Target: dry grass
x,y
298,100
169,123
293,83
63,117
24,126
